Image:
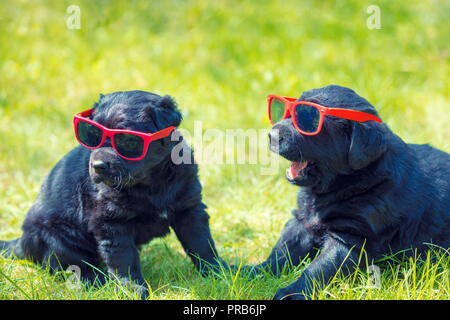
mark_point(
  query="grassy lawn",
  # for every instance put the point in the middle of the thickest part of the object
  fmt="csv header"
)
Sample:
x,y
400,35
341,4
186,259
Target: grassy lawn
x,y
219,60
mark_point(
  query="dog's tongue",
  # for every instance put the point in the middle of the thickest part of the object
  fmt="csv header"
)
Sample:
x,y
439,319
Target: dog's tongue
x,y
296,167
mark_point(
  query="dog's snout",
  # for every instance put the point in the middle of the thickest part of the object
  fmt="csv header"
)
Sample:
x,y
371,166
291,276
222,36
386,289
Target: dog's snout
x,y
274,137
100,166
283,137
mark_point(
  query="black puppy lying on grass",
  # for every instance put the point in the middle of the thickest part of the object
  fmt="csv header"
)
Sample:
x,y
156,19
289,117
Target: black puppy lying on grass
x,y
362,187
98,205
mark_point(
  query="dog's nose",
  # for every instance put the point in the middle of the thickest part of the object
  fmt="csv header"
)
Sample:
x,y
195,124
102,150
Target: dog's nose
x,y
274,138
100,166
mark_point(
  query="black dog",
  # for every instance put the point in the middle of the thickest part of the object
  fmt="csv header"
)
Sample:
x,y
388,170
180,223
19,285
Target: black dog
x,y
94,214
362,187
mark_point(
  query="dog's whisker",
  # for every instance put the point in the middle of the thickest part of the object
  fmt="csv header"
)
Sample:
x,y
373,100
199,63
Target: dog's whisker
x,y
128,179
119,182
116,184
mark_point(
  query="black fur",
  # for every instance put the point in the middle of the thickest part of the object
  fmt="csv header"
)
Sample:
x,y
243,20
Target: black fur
x,y
83,217
363,188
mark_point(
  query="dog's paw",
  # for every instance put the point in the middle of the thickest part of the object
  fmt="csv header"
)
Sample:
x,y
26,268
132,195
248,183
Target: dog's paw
x,y
138,287
144,292
289,294
214,269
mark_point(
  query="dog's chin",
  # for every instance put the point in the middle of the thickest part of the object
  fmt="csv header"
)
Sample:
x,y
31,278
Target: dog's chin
x,y
300,173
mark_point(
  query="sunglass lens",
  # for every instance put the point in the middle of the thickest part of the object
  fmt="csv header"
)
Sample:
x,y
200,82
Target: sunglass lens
x,y
89,134
307,117
129,145
276,110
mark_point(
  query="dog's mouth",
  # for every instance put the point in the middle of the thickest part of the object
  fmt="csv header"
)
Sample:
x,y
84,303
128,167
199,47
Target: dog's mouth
x,y
118,182
297,170
105,179
113,181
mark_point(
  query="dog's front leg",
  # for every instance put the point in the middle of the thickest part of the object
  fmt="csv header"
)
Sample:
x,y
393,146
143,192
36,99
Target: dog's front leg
x,y
294,244
333,257
121,256
192,229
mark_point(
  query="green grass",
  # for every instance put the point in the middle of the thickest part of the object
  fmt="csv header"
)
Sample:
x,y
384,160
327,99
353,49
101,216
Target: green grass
x,y
219,59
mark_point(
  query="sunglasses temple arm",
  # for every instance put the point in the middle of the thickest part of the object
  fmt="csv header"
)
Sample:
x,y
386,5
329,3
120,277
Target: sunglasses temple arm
x,y
162,133
352,115
281,97
290,99
86,113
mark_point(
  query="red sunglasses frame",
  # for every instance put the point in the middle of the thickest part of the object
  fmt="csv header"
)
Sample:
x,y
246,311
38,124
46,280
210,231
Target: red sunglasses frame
x,y
147,137
291,103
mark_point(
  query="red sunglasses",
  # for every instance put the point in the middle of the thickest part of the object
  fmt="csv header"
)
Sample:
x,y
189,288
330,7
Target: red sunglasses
x,y
129,144
307,117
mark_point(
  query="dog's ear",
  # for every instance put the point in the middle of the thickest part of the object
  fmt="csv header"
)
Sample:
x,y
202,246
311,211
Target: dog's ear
x,y
167,102
368,143
170,110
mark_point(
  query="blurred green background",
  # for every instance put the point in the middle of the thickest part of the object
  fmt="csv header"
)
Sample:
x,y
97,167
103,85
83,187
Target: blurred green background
x,y
219,60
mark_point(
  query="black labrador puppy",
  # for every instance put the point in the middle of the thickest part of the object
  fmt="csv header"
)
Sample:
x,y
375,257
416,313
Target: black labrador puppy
x,y
361,187
97,207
